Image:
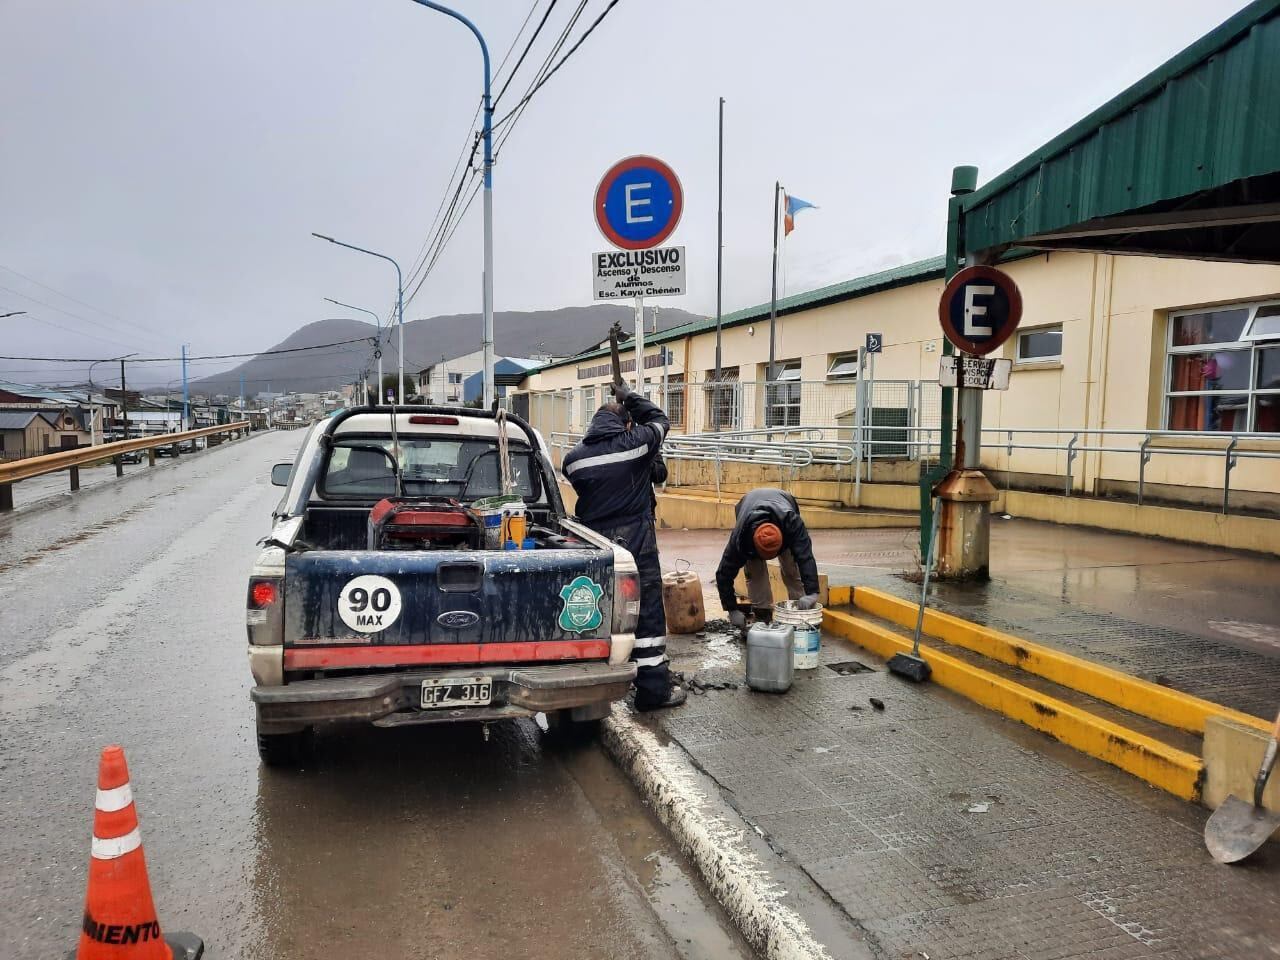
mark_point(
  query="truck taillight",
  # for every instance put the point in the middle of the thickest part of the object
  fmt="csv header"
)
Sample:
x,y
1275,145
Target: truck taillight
x,y
262,593
264,613
627,605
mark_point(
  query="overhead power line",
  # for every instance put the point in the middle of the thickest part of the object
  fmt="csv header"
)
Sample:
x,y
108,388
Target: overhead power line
x,y
211,356
529,96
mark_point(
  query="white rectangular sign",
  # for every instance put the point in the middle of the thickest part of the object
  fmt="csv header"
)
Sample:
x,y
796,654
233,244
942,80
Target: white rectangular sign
x,y
975,373
624,274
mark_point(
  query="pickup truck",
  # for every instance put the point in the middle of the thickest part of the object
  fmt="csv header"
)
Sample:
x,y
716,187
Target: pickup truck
x,y
378,596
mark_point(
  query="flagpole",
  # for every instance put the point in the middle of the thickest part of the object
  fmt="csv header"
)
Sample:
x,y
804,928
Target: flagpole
x,y
719,241
773,300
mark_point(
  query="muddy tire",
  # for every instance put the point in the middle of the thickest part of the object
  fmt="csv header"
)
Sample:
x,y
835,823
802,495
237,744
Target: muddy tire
x,y
562,728
285,750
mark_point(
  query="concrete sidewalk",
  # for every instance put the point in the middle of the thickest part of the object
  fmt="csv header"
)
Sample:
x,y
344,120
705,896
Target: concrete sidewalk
x,y
943,830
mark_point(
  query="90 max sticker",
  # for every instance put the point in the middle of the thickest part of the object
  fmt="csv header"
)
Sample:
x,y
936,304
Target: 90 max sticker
x,y
369,603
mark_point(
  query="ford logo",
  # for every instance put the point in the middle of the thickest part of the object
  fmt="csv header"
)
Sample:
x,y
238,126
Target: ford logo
x,y
458,619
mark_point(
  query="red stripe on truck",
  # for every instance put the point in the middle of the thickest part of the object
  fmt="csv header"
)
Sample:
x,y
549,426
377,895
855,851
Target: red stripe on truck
x,y
321,658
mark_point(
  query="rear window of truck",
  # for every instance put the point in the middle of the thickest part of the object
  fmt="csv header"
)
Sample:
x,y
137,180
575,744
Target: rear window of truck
x,y
360,468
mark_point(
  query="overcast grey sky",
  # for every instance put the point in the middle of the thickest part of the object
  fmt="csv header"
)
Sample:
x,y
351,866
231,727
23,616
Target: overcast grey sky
x,y
164,161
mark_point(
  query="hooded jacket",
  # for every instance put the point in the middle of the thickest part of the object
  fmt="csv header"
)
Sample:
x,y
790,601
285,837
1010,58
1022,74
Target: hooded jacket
x,y
611,469
765,505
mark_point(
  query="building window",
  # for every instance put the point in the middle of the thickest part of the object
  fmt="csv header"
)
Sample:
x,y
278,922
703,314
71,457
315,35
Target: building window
x,y
723,400
674,400
588,403
455,378
1040,345
843,366
782,396
1222,370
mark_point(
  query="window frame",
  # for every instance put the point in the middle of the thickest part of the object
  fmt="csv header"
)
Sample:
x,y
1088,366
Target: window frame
x,y
1254,344
784,394
835,358
729,387
1055,360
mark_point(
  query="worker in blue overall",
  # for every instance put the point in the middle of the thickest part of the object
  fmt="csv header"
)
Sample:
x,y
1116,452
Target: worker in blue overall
x,y
611,471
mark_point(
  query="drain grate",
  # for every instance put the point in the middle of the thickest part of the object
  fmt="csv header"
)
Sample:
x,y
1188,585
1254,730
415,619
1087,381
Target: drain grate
x,y
848,668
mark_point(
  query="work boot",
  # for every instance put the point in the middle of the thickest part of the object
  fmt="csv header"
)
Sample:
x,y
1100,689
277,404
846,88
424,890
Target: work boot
x,y
677,696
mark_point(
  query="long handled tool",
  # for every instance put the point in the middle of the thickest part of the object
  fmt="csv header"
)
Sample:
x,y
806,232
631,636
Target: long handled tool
x,y
614,333
911,665
1236,828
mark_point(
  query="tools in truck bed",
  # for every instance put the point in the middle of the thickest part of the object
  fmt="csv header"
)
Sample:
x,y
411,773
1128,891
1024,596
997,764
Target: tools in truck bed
x,y
426,523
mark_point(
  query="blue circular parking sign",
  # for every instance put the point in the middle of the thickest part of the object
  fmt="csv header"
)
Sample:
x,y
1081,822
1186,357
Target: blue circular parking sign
x,y
638,203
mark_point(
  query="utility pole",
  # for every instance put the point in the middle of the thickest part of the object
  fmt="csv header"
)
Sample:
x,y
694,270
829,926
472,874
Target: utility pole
x,y
720,242
124,403
487,342
186,393
242,410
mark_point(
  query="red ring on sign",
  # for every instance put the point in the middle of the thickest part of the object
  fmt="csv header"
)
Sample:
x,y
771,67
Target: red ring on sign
x,y
1011,292
612,174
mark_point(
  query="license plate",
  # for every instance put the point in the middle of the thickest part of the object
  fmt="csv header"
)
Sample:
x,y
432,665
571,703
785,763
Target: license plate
x,y
438,692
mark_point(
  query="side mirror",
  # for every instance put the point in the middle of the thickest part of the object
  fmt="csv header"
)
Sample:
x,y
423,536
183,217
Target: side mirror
x,y
280,474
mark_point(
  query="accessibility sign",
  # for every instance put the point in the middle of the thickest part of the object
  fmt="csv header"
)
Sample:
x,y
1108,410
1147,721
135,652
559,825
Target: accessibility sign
x,y
977,373
624,274
980,309
638,203
875,342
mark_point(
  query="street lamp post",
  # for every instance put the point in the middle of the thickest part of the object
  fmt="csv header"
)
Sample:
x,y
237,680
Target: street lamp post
x,y
488,200
399,298
377,351
13,313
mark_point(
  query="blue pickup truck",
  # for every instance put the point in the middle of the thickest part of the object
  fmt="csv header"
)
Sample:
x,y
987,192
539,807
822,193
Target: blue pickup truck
x,y
381,597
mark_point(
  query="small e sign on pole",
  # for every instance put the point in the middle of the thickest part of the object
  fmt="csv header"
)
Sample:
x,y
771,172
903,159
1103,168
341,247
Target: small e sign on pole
x,y
980,309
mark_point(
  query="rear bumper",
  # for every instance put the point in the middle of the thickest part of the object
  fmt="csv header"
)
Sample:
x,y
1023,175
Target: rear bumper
x,y
393,699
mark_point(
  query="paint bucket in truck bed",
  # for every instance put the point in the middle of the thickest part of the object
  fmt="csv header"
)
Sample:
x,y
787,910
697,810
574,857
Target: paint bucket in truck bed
x,y
490,510
808,626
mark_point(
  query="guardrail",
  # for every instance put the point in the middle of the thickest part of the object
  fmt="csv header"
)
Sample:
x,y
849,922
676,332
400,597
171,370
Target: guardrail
x,y
73,460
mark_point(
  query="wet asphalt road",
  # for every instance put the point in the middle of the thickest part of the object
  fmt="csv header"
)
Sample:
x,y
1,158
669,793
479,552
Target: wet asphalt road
x,y
121,620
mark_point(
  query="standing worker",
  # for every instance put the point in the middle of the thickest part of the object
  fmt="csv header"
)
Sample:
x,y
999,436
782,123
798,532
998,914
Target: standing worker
x,y
611,471
768,525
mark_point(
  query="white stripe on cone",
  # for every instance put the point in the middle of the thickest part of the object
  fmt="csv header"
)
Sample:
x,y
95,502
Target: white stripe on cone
x,y
117,798
114,847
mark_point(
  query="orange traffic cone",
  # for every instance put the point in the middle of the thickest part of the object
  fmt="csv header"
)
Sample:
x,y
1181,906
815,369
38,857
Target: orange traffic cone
x,y
119,914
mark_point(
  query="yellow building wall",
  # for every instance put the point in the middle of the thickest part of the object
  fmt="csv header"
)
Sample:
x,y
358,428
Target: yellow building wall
x,y
1113,313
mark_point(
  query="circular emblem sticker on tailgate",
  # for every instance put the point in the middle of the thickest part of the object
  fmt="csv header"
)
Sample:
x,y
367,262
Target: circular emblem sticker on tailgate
x,y
369,603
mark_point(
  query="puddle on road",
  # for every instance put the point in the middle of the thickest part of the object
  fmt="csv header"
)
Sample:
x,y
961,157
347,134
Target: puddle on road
x,y
696,924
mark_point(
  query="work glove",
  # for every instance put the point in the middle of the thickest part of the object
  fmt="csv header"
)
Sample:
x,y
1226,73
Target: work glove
x,y
807,602
738,619
620,392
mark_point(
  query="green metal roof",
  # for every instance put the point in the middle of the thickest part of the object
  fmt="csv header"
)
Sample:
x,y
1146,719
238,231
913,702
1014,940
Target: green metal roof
x,y
1187,161
845,290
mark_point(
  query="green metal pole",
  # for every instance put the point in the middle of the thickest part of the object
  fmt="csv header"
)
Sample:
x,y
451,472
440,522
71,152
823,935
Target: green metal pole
x,y
964,180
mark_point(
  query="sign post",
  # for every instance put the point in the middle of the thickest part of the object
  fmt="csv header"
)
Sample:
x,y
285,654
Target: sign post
x,y
978,311
638,203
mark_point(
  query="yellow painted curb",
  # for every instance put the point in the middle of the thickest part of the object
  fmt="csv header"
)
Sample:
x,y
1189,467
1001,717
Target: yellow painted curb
x,y
1172,770
1146,699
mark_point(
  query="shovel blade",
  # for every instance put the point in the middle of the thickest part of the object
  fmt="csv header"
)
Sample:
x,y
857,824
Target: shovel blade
x,y
1238,829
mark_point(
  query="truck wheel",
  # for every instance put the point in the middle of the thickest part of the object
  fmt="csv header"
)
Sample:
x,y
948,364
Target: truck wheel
x,y
561,727
285,749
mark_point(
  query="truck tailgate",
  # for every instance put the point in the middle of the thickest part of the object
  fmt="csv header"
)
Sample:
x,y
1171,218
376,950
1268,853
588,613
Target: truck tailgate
x,y
475,606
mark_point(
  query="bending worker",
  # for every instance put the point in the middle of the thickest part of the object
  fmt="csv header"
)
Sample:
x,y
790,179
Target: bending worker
x,y
611,471
768,525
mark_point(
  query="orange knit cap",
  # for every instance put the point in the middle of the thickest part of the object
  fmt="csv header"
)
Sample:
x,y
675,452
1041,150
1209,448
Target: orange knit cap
x,y
767,539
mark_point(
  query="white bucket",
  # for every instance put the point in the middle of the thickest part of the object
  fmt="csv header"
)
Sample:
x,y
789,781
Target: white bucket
x,y
808,625
490,510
